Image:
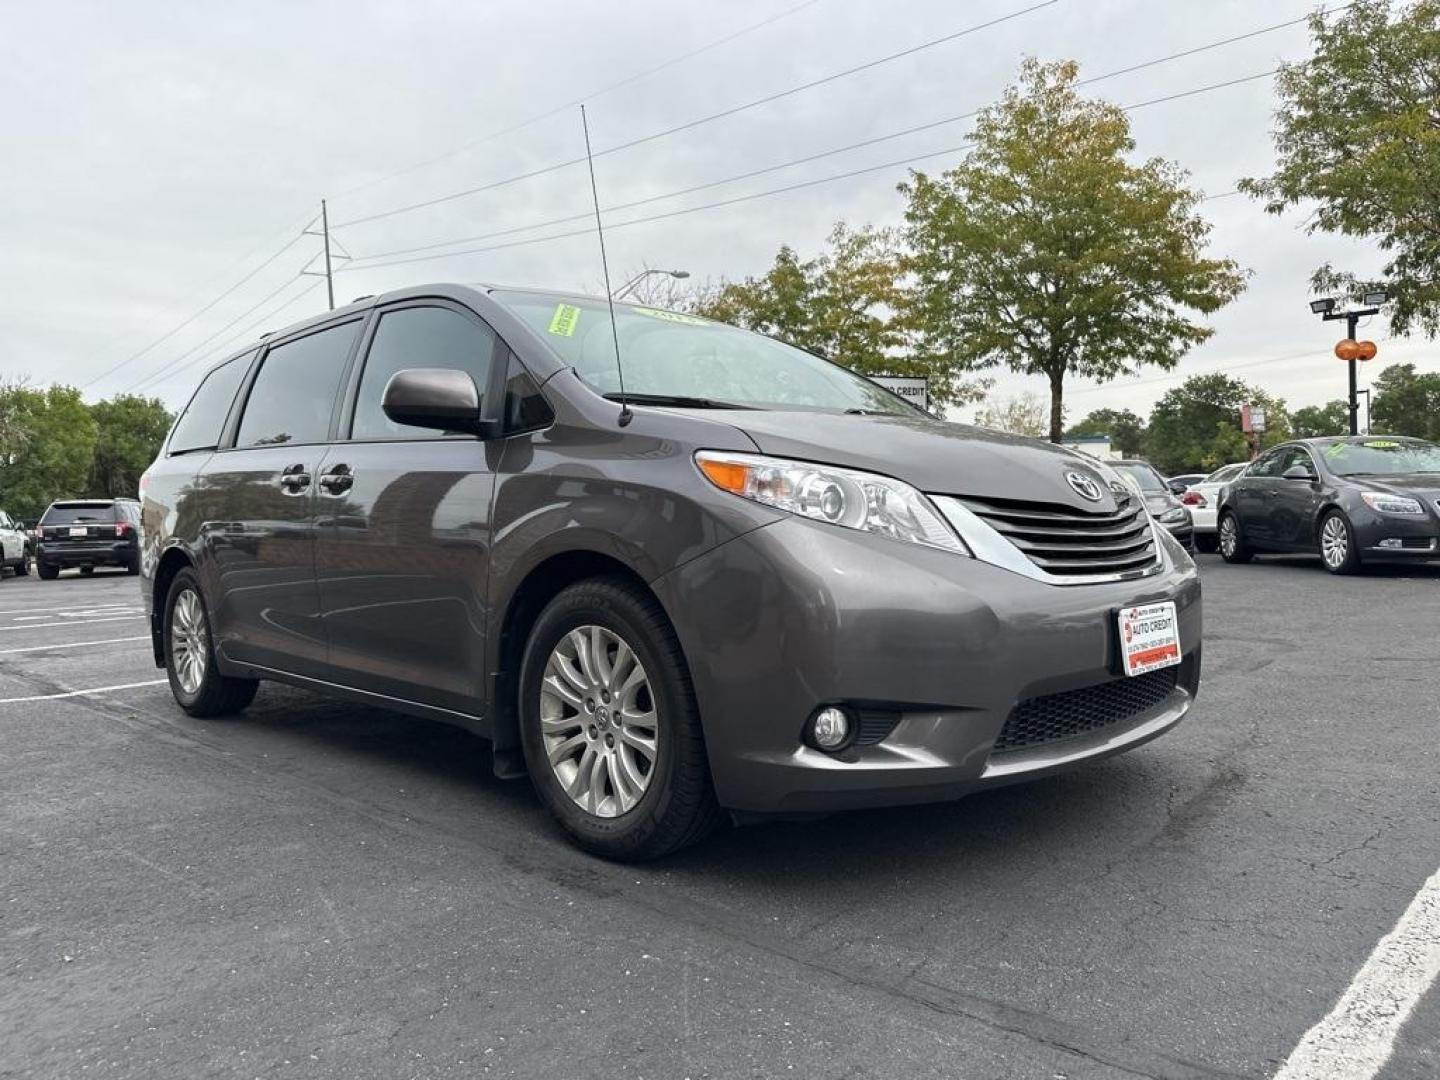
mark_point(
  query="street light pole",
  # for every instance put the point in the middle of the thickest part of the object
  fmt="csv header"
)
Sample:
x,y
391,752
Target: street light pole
x,y
1326,310
629,285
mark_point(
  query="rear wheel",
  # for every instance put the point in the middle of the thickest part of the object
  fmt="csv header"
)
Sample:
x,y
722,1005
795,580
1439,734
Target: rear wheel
x,y
610,726
22,568
133,565
1337,544
1233,548
48,572
195,679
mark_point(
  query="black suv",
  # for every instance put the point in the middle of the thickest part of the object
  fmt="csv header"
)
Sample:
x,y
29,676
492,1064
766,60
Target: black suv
x,y
88,533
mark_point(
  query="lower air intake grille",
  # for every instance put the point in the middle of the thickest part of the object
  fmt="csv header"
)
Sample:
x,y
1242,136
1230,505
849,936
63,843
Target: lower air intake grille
x,y
1076,712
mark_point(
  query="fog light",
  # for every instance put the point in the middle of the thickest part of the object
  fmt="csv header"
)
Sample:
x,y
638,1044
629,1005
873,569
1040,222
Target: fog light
x,y
1392,542
830,728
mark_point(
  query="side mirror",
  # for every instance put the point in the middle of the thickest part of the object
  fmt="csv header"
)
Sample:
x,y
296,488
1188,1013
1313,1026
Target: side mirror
x,y
1177,487
1297,472
443,399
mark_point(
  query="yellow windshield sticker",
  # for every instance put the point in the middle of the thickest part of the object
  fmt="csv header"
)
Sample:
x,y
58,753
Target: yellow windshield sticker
x,y
1337,449
1380,444
564,321
671,316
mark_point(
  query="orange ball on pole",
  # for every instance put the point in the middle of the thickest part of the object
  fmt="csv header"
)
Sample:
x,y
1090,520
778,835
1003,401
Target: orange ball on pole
x,y
1368,349
1348,349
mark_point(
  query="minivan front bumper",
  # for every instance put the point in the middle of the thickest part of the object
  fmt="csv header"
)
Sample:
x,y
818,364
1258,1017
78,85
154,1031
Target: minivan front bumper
x,y
798,614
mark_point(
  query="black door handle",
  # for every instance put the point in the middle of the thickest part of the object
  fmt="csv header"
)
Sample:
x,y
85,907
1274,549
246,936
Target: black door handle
x,y
338,480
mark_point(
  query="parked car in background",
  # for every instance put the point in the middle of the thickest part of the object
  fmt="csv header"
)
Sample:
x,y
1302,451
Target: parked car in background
x,y
87,533
1183,482
1350,500
13,548
763,585
1202,499
1160,501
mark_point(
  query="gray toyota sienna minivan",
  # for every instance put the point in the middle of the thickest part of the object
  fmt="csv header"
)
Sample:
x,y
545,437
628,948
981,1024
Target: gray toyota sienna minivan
x,y
759,584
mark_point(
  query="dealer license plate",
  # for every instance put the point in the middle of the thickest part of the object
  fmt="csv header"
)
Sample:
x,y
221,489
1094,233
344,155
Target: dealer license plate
x,y
79,530
1149,637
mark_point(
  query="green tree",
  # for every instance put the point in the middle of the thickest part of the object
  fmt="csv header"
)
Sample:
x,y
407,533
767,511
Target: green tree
x,y
1126,430
1358,143
129,431
1022,415
1048,250
1405,402
1332,418
843,304
1196,426
54,458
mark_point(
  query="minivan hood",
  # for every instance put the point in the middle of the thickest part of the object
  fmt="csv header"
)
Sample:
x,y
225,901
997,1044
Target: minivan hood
x,y
935,456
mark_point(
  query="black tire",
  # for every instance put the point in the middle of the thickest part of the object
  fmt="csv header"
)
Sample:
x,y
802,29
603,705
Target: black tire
x,y
1339,525
133,566
678,806
22,569
47,572
1207,543
86,571
215,694
1233,549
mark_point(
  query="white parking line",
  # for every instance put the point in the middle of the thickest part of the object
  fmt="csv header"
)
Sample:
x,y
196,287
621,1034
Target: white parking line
x,y
1358,1036
81,693
72,644
68,622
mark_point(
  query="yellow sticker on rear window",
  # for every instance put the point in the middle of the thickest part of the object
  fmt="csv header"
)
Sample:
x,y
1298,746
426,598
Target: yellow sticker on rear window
x,y
1380,444
671,316
564,321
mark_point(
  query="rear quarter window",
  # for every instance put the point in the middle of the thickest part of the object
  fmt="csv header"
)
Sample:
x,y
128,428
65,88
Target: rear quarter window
x,y
200,425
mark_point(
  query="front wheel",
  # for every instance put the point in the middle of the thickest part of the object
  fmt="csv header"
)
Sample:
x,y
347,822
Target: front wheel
x,y
1207,543
610,726
1233,548
195,679
1337,544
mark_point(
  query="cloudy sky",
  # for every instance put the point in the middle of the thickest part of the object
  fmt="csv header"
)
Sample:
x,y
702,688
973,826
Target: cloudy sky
x,y
157,154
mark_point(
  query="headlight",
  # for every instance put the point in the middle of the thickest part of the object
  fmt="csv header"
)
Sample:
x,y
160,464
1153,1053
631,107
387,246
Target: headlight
x,y
1386,503
1174,514
846,497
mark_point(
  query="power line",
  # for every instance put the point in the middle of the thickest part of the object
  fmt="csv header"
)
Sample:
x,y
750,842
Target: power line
x,y
165,369
876,140
521,125
1265,361
774,191
698,121
227,344
195,315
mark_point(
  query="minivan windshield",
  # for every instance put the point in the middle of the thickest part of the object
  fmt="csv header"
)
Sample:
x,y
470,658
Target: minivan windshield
x,y
1144,476
674,358
1380,456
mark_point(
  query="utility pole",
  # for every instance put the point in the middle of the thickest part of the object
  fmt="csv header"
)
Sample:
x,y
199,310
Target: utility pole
x,y
330,290
343,256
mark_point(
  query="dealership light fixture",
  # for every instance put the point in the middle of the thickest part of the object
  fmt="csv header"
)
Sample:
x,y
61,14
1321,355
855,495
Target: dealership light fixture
x,y
1322,307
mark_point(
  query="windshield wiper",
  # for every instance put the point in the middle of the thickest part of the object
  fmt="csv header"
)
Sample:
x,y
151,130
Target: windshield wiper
x,y
679,401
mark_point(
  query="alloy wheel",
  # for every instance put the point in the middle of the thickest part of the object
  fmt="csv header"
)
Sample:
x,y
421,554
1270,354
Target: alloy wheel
x,y
1334,541
598,721
1228,537
189,641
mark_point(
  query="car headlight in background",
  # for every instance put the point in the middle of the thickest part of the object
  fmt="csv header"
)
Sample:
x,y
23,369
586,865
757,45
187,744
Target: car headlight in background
x,y
1173,515
1386,503
845,497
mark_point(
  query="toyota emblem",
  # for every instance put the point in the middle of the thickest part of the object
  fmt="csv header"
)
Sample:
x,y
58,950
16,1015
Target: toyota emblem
x,y
1084,486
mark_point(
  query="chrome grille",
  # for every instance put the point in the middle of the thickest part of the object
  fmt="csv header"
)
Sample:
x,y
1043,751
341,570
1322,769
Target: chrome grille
x,y
1068,542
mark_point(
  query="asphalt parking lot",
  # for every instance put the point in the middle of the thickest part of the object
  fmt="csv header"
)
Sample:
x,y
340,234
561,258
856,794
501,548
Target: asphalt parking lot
x,y
322,890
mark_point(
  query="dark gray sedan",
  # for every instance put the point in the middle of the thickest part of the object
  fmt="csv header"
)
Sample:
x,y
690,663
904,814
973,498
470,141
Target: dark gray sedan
x,y
1350,500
